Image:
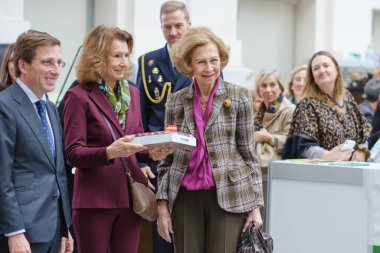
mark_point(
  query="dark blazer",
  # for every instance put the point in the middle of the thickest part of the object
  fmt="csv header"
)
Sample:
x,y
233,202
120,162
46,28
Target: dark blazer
x,y
158,70
98,182
29,175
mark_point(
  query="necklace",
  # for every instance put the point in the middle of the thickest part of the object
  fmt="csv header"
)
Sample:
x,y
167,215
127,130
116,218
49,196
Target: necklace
x,y
204,106
340,103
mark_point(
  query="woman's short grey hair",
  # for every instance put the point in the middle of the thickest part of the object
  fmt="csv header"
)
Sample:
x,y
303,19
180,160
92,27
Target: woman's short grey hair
x,y
181,52
372,90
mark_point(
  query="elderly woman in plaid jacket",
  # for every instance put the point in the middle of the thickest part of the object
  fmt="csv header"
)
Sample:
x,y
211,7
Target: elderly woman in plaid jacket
x,y
209,194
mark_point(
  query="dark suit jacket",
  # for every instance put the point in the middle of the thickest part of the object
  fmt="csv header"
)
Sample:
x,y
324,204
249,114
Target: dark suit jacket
x,y
375,135
158,70
29,175
98,182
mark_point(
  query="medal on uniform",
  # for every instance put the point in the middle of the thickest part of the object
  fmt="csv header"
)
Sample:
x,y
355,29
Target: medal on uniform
x,y
159,79
150,63
149,79
155,70
157,92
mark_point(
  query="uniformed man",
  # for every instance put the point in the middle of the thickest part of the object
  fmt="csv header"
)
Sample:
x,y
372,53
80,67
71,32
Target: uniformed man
x,y
157,79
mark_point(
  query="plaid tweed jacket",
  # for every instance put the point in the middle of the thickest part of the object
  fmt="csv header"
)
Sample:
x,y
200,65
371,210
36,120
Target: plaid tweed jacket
x,y
230,144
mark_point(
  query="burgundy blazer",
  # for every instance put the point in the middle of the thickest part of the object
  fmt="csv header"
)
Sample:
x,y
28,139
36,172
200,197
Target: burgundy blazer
x,y
98,182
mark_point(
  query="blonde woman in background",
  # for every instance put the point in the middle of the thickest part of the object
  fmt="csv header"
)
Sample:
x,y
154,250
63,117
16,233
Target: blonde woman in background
x,y
273,118
271,121
296,84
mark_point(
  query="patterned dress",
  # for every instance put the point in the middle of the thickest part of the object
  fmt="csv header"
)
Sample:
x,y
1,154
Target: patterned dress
x,y
319,122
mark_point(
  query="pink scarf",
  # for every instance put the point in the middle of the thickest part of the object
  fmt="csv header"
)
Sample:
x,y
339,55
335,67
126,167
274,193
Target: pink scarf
x,y
199,173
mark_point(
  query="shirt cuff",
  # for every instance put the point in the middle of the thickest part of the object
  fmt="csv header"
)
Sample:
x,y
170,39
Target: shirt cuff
x,y
15,233
313,152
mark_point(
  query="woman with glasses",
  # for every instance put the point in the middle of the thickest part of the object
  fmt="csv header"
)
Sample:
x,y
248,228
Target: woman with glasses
x,y
327,116
7,72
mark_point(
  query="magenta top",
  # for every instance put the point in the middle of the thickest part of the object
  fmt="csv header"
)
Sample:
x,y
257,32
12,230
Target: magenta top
x,y
199,175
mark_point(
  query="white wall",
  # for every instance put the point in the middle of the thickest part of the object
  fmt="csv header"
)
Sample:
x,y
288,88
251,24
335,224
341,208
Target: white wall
x,y
65,20
267,31
375,4
352,26
12,21
261,33
305,32
323,25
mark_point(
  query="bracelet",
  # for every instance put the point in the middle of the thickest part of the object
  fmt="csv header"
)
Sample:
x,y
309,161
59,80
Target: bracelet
x,y
366,151
274,141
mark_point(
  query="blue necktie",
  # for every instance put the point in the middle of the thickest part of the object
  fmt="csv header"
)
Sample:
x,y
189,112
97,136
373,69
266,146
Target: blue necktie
x,y
41,108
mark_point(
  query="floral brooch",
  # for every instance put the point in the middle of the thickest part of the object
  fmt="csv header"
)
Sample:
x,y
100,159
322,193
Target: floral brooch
x,y
227,103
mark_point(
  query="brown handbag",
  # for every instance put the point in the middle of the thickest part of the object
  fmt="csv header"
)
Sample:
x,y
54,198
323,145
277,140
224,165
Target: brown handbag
x,y
143,199
253,240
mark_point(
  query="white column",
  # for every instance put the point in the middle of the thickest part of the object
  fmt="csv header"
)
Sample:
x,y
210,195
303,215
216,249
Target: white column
x,y
343,26
222,16
305,35
12,21
351,26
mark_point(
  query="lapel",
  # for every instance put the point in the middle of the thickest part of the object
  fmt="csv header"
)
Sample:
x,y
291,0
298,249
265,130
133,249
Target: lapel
x,y
166,67
220,95
177,79
218,101
101,102
27,111
181,82
189,110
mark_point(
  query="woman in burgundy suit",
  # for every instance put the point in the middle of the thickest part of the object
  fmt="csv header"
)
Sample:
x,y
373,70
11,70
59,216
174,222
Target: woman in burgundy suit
x,y
103,216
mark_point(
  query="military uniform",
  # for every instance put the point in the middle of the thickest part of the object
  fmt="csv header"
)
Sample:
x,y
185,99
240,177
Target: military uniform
x,y
160,79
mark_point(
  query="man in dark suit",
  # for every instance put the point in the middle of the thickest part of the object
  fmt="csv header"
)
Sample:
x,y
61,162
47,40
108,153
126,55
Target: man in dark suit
x,y
34,205
157,79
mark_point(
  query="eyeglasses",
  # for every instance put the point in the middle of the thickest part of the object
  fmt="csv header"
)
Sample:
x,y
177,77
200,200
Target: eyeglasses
x,y
50,62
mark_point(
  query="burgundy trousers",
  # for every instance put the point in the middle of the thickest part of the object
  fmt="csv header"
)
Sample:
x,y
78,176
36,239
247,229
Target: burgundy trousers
x,y
114,230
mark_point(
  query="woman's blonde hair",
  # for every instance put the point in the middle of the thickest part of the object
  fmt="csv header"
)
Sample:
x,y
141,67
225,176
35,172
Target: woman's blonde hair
x,y
292,74
311,88
181,52
96,47
265,74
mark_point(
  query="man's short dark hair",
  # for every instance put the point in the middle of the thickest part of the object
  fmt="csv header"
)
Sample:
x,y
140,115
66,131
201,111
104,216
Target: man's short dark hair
x,y
26,46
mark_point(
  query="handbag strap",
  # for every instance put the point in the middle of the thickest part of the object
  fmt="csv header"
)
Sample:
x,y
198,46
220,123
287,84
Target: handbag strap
x,y
262,239
127,171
